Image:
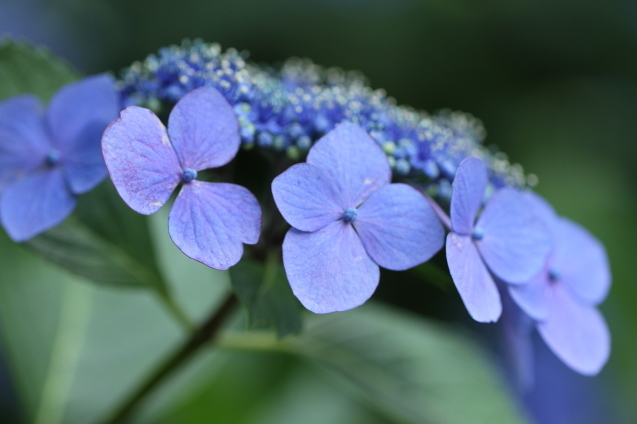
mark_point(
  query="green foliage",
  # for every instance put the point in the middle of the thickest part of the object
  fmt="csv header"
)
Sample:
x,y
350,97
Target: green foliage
x,y
404,368
28,69
76,349
266,293
105,242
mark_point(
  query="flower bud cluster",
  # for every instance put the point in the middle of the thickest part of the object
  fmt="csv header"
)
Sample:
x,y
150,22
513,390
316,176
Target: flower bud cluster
x,y
287,109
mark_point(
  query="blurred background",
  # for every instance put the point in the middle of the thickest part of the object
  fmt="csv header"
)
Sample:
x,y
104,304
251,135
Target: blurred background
x,y
554,82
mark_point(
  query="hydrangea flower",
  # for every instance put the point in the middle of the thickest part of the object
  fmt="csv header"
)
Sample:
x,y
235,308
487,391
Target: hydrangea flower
x,y
562,298
348,220
287,109
49,157
208,221
508,240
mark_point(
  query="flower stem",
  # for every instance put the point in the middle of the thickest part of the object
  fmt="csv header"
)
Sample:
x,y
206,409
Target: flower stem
x,y
200,337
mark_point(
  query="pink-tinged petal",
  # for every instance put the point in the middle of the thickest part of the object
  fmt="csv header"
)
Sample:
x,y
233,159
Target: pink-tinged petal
x,y
24,141
576,333
141,160
209,222
398,227
35,203
328,269
467,195
90,101
306,197
204,129
515,242
353,161
83,164
581,262
533,297
472,279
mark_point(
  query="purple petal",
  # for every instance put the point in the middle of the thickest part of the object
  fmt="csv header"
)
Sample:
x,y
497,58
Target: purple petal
x,y
90,101
24,142
468,192
210,221
329,269
581,262
398,227
306,197
576,333
141,160
353,161
543,209
35,203
472,279
533,297
83,164
204,129
516,242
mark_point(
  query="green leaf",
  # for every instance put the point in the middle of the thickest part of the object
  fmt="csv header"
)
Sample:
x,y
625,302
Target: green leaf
x,y
266,293
407,368
28,69
104,241
75,350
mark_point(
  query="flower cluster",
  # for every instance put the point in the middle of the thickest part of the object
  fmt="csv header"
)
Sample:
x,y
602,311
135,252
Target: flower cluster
x,y
47,159
347,218
290,108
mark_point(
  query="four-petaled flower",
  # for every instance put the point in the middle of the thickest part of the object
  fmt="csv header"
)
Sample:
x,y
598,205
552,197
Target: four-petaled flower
x,y
508,240
562,298
209,221
47,159
347,220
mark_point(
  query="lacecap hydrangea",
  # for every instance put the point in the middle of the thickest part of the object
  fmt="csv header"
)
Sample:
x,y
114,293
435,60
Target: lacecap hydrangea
x,y
347,216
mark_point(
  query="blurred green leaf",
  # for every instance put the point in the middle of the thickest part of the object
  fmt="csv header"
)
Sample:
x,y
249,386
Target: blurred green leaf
x,y
266,293
105,242
404,367
28,69
75,350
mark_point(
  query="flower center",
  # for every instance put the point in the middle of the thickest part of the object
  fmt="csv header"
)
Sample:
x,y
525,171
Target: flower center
x,y
350,215
554,276
477,234
189,175
52,158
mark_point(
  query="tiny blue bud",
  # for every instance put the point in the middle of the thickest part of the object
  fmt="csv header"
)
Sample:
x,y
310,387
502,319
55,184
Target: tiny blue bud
x,y
52,158
431,169
350,215
402,167
264,139
554,275
304,143
477,234
189,175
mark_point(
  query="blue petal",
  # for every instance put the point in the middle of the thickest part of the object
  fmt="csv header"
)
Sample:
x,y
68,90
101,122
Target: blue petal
x,y
472,279
576,333
24,142
353,161
329,269
533,297
516,243
581,262
306,197
35,203
141,160
210,221
398,227
90,101
204,130
542,209
83,164
468,192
